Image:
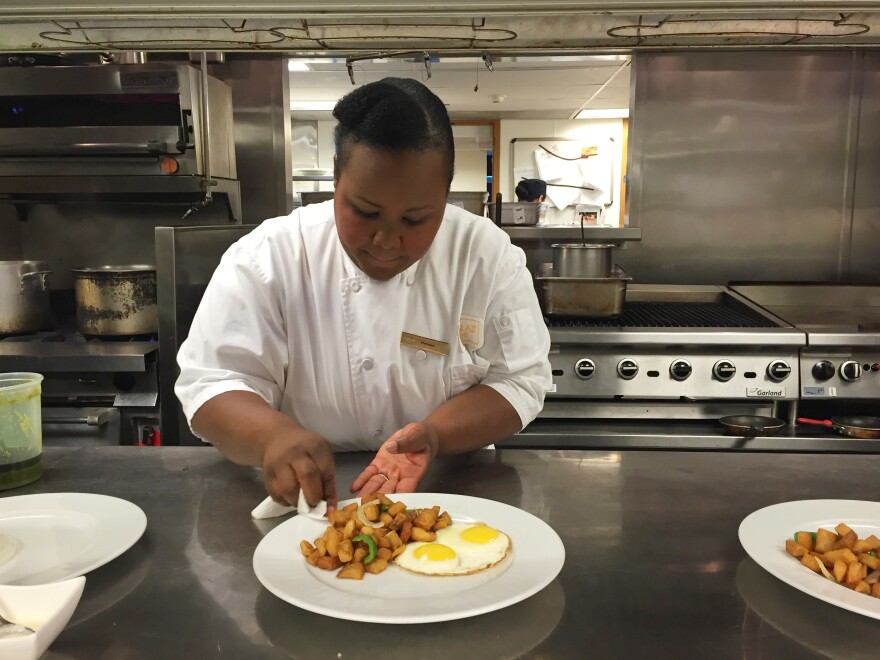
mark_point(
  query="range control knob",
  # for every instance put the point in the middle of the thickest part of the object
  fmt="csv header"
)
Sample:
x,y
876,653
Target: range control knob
x,y
823,370
724,370
680,369
627,368
584,368
850,370
778,371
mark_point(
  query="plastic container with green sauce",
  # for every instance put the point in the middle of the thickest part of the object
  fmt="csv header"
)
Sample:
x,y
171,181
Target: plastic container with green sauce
x,y
21,432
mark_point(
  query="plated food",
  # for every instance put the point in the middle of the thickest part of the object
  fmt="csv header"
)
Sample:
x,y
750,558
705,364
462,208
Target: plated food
x,y
364,537
840,556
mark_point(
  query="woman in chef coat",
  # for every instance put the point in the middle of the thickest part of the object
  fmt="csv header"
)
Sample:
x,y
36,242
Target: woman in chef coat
x,y
382,320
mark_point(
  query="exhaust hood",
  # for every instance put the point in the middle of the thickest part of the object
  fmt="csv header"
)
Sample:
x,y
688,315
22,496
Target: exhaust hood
x,y
451,25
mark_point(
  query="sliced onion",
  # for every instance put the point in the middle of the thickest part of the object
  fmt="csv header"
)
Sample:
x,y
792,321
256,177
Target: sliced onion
x,y
363,519
873,576
824,570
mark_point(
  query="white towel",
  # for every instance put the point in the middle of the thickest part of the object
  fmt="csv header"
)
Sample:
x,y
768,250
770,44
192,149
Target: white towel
x,y
269,508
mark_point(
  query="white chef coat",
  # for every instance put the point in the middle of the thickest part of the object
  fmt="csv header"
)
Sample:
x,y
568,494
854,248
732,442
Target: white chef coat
x,y
289,316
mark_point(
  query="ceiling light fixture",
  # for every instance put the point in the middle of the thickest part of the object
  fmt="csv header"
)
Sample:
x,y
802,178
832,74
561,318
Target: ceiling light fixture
x,y
297,65
609,113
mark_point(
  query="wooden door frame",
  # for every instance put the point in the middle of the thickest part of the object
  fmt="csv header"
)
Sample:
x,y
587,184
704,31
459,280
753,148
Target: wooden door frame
x,y
495,125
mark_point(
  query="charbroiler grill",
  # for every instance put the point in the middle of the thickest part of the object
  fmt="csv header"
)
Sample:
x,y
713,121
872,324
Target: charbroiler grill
x,y
675,343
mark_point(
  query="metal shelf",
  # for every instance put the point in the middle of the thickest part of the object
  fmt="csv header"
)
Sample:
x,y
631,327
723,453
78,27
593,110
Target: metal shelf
x,y
313,177
610,234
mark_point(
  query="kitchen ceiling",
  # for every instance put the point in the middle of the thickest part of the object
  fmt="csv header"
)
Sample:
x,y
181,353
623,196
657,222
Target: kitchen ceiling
x,y
524,87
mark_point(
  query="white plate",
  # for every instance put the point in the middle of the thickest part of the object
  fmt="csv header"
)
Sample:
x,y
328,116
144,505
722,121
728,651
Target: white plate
x,y
396,596
64,535
763,534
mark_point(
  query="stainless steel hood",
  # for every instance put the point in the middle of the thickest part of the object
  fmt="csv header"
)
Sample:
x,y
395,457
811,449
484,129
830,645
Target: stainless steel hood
x,y
344,26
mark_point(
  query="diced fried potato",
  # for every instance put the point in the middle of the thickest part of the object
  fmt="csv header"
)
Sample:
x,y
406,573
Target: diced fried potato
x,y
383,542
873,542
386,519
419,534
397,507
445,520
810,561
359,553
839,570
306,548
805,540
384,553
348,530
861,546
825,540
842,529
366,499
398,522
853,573
332,539
833,555
371,512
338,518
869,561
846,541
384,500
350,508
863,588
397,551
366,529
794,549
321,546
379,532
328,563
352,571
393,539
426,517
346,551
377,566
406,531
313,558
875,590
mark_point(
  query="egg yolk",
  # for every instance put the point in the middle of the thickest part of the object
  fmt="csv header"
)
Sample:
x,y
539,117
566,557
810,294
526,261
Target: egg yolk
x,y
479,534
434,552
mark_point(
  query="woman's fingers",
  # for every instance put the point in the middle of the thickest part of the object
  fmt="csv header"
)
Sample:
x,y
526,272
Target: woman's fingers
x,y
369,472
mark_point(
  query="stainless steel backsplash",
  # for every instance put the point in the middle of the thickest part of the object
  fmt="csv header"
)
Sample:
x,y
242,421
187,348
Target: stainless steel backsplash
x,y
754,165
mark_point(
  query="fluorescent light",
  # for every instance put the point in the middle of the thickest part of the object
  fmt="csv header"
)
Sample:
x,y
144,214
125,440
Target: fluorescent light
x,y
611,113
297,65
312,105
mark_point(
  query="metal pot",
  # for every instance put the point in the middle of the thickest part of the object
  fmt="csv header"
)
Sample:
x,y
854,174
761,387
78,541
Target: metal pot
x,y
24,297
116,300
590,260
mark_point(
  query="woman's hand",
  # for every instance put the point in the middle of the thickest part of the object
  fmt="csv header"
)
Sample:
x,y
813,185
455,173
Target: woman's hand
x,y
400,463
297,458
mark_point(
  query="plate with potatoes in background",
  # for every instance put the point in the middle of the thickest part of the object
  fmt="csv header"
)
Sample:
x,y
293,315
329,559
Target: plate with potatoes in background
x,y
825,548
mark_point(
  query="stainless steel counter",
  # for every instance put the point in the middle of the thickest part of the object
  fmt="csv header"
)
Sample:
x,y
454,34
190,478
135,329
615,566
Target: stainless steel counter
x,y
75,357
653,568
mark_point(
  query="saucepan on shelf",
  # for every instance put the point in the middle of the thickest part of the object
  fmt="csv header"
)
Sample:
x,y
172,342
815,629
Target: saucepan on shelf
x,y
860,427
751,426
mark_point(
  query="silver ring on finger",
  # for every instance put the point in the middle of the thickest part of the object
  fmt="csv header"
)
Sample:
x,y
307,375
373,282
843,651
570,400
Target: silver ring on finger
x,y
384,476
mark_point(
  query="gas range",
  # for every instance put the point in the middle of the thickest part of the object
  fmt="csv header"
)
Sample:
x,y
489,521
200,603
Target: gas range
x,y
96,390
677,343
841,358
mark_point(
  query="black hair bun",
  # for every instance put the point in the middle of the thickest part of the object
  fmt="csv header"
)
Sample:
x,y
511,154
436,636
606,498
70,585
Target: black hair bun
x,y
385,111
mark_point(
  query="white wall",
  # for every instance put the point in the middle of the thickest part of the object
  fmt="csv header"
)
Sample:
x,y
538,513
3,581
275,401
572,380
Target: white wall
x,y
470,171
598,130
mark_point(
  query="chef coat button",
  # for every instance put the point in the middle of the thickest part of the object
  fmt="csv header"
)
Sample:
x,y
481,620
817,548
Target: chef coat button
x,y
505,322
356,286
367,364
377,435
421,355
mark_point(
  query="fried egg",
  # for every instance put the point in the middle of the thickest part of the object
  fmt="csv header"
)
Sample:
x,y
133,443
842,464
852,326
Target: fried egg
x,y
460,549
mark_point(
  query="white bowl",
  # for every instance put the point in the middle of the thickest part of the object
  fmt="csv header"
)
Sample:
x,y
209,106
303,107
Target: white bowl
x,y
44,607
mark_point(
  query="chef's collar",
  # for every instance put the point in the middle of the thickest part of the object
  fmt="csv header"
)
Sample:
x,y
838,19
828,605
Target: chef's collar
x,y
352,270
